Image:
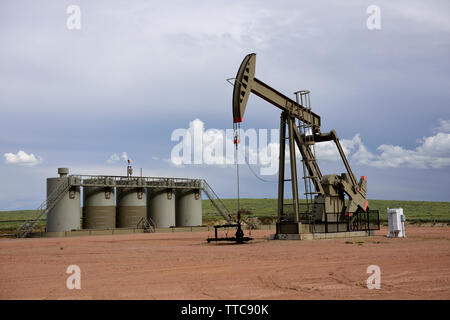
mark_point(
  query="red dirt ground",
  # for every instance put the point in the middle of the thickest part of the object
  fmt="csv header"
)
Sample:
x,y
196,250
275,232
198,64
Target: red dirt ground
x,y
184,266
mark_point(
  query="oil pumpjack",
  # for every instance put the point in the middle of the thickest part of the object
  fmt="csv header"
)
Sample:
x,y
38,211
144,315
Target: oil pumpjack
x,y
341,194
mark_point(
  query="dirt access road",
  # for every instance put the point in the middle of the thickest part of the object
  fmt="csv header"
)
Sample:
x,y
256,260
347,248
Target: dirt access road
x,y
184,266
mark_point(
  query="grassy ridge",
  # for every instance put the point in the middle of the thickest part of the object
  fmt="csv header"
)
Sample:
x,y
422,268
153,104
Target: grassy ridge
x,y
415,211
10,216
265,210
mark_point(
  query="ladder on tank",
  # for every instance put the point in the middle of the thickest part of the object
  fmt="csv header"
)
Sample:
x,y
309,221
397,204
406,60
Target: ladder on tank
x,y
307,137
27,227
147,224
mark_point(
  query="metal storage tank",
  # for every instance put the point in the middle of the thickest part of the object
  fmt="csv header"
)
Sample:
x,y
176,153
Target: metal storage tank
x,y
99,210
131,207
188,208
161,207
65,215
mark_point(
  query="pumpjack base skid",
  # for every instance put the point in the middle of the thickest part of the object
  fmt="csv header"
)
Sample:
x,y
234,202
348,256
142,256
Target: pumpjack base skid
x,y
351,225
291,228
302,231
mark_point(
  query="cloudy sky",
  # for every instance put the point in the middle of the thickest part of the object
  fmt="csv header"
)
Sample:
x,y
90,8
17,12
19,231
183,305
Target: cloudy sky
x,y
136,71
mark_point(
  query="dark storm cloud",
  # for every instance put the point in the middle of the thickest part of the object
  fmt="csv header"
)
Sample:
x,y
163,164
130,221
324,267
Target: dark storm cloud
x,y
137,71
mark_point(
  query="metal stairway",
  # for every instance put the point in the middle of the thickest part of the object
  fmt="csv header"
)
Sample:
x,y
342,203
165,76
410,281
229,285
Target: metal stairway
x,y
216,202
147,224
26,228
221,208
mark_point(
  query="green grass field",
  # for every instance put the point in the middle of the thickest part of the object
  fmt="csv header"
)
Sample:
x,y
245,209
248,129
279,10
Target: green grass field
x,y
415,211
265,211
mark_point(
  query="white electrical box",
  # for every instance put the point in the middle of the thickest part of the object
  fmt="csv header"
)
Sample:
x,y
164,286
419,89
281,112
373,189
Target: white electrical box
x,y
396,223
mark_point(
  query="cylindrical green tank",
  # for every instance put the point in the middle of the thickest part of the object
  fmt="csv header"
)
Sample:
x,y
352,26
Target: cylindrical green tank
x,y
161,207
65,215
99,210
188,208
131,207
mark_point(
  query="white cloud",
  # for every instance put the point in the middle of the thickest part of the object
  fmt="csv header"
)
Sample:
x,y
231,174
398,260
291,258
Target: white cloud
x,y
433,152
327,151
125,157
115,158
22,158
213,145
444,127
216,147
